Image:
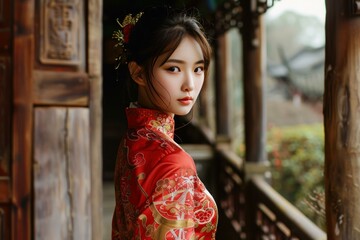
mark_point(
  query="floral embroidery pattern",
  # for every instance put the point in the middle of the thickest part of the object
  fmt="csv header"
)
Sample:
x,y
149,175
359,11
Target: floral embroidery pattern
x,y
204,215
164,184
179,201
137,160
163,125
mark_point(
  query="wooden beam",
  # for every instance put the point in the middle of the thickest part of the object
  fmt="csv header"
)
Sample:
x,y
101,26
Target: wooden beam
x,y
60,88
342,121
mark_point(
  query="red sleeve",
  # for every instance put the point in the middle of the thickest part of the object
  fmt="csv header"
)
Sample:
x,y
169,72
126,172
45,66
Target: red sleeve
x,y
173,201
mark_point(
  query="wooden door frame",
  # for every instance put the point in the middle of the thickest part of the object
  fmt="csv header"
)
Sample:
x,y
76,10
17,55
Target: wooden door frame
x,y
23,54
95,78
23,58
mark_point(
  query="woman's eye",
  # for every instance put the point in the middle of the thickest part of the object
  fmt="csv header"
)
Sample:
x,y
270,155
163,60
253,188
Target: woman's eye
x,y
173,69
199,69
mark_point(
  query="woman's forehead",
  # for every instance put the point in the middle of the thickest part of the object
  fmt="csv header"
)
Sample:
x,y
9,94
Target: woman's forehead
x,y
187,49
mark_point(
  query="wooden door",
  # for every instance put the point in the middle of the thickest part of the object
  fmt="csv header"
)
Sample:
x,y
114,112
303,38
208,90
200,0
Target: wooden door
x,y
50,125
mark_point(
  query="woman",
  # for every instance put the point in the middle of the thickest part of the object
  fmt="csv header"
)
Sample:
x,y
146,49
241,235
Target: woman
x,y
158,192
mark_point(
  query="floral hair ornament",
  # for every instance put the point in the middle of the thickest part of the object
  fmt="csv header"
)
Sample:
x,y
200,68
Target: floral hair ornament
x,y
122,35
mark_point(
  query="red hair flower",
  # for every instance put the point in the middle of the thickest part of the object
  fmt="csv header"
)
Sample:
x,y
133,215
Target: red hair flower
x,y
123,35
127,30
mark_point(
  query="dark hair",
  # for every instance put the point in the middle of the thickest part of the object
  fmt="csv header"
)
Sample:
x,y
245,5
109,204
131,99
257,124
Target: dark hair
x,y
159,31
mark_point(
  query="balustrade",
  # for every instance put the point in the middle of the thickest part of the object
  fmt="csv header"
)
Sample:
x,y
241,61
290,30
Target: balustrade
x,y
255,210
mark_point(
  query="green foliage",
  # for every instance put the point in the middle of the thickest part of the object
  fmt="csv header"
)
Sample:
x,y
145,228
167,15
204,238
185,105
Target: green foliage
x,y
296,155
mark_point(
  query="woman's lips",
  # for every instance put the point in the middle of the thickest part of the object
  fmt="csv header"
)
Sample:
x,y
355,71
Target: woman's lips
x,y
186,100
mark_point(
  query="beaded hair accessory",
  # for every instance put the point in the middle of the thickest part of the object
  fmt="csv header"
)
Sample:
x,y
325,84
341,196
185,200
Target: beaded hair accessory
x,y
122,36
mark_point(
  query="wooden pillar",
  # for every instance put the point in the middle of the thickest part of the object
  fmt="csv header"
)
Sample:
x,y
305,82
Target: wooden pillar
x,y
221,90
342,120
254,74
95,8
254,107
23,58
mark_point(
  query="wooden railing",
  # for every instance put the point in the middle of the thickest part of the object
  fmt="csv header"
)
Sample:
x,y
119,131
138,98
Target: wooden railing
x,y
251,209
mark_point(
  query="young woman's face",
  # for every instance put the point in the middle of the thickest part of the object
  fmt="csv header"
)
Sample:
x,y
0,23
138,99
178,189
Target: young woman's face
x,y
178,81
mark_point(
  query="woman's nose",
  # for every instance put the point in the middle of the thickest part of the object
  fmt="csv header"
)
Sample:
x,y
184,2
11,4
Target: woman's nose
x,y
188,84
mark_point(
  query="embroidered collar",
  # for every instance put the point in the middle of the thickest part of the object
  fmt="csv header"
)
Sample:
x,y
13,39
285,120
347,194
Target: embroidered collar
x,y
151,119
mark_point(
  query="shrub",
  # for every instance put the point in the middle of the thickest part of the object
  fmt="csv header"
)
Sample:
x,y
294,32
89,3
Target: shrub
x,y
296,155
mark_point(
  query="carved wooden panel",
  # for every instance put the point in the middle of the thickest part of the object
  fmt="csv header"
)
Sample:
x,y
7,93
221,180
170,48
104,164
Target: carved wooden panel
x,y
4,117
62,33
62,184
232,196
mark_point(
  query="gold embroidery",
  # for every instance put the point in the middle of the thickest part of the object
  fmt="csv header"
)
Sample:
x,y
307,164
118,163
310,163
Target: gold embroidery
x,y
162,124
208,227
140,177
171,223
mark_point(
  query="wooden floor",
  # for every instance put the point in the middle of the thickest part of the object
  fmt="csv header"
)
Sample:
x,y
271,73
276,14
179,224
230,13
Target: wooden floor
x,y
108,208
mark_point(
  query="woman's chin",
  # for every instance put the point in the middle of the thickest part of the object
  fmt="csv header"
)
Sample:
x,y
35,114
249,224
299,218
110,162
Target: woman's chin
x,y
183,112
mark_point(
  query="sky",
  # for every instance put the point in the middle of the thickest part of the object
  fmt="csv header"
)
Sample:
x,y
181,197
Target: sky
x,y
305,7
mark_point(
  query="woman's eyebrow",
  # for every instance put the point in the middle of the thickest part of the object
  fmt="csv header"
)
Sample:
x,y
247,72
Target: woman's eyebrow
x,y
172,60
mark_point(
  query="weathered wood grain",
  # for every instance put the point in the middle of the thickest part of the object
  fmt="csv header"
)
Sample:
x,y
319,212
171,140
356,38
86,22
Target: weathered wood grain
x,y
54,83
342,121
22,119
94,25
61,88
62,187
79,172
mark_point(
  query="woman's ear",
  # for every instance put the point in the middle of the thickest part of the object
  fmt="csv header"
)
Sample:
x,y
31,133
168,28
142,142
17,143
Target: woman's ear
x,y
136,73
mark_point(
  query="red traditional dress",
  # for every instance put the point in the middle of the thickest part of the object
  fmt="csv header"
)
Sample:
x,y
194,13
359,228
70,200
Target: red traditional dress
x,y
158,192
